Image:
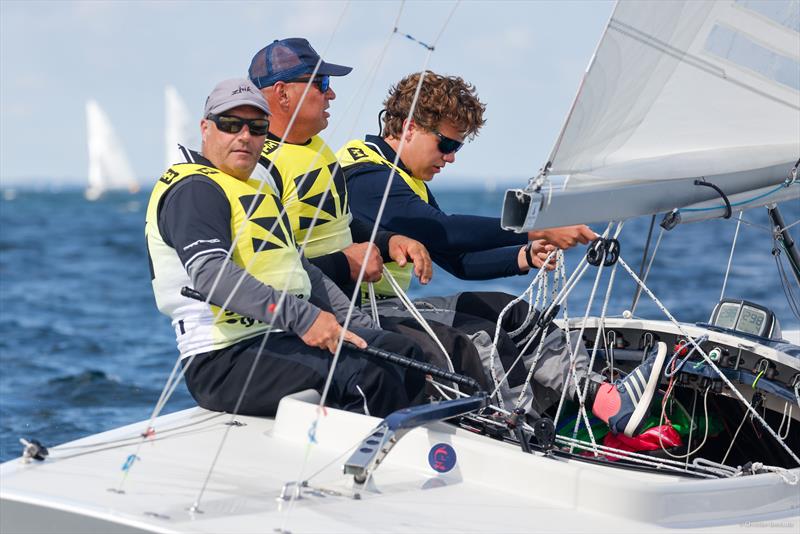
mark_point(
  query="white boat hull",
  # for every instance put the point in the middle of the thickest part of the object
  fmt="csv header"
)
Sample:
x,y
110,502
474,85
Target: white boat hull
x,y
492,488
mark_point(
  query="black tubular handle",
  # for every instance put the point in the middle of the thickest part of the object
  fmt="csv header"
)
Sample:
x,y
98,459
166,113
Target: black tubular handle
x,y
426,368
728,210
397,359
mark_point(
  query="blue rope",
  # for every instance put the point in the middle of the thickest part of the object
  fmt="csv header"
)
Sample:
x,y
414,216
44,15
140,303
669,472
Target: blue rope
x,y
722,206
412,38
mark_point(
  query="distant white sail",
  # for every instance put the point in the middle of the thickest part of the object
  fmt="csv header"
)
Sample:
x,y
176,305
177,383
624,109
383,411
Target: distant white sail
x,y
179,127
109,167
677,91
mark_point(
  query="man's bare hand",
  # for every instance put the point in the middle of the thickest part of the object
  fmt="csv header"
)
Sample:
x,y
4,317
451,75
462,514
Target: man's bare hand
x,y
402,249
356,253
565,236
539,252
325,331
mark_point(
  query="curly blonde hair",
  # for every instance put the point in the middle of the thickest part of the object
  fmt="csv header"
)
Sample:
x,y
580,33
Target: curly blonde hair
x,y
441,98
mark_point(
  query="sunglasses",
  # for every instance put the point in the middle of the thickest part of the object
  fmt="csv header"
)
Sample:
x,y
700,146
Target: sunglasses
x,y
447,145
323,82
233,125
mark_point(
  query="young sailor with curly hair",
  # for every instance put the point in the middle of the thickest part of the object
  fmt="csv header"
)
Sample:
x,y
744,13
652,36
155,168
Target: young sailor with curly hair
x,y
411,150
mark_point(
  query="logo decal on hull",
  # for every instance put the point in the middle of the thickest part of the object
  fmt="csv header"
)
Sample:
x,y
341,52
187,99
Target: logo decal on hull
x,y
442,457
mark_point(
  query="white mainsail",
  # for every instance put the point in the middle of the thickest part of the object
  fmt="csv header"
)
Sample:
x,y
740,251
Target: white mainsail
x,y
178,128
109,167
679,91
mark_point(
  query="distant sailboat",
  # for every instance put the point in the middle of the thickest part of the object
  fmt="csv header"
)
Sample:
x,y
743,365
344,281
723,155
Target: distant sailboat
x,y
179,128
109,167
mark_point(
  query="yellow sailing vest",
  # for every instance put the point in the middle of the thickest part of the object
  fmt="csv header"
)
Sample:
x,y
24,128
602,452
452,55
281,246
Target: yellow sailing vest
x,y
305,173
356,152
269,256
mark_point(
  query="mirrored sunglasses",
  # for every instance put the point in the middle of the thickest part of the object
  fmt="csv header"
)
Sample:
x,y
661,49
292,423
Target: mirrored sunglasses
x,y
232,124
323,82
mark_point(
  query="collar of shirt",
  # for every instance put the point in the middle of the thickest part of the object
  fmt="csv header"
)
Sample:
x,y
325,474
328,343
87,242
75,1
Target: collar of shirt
x,y
272,137
200,159
386,151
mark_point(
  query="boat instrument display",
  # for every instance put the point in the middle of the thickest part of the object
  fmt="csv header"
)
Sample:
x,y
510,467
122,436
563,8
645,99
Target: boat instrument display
x,y
743,317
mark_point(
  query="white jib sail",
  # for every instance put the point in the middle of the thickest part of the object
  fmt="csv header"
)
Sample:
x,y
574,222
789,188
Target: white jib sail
x,y
687,88
178,127
109,167
681,90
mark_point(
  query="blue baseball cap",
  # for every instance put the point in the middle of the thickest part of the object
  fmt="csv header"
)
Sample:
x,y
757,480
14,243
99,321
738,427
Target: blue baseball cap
x,y
286,59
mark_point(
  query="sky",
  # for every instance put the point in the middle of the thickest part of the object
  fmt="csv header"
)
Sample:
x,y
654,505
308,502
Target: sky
x,y
525,58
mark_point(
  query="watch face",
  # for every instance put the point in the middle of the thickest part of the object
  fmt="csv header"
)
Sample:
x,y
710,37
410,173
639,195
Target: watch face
x,y
751,320
726,318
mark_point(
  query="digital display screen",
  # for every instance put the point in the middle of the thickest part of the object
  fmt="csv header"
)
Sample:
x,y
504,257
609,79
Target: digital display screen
x,y
726,318
751,321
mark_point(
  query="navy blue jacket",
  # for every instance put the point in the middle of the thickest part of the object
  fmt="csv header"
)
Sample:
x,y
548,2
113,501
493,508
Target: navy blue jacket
x,y
470,247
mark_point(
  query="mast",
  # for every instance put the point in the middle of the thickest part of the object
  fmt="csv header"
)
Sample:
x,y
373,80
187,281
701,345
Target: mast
x,y
782,235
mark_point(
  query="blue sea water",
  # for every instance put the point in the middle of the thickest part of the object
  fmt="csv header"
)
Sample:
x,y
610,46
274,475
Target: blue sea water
x,y
83,348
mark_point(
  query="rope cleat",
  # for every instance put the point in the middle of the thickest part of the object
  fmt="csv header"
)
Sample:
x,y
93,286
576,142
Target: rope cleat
x,y
33,450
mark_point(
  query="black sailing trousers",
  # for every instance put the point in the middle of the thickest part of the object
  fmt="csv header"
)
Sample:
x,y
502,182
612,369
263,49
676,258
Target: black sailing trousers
x,y
287,365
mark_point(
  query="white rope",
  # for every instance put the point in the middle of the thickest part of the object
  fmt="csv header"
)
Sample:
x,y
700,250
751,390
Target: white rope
x,y
724,470
174,378
417,315
572,370
533,305
660,463
647,271
709,361
735,435
443,387
691,428
700,466
571,283
787,476
359,279
730,257
788,420
494,352
797,392
581,394
529,317
379,214
788,226
373,304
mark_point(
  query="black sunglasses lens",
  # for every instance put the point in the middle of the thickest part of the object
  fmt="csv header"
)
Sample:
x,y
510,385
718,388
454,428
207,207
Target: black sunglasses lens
x,y
229,124
258,126
234,125
449,146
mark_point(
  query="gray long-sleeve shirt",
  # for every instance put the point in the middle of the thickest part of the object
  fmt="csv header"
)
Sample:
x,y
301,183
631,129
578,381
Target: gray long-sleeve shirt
x,y
196,212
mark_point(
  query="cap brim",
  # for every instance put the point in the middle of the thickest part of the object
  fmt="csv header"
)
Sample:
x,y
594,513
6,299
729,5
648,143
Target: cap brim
x,y
236,103
331,69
